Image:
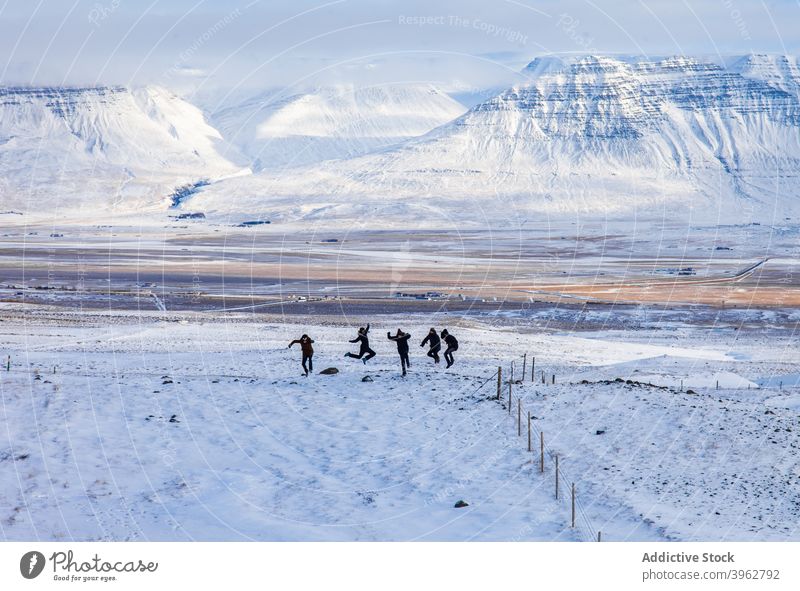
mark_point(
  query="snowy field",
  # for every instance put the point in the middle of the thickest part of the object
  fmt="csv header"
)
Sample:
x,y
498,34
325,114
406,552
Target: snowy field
x,y
148,426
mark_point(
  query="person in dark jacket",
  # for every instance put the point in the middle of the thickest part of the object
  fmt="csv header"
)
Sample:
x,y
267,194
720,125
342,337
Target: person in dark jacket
x,y
435,344
452,345
401,338
308,351
365,353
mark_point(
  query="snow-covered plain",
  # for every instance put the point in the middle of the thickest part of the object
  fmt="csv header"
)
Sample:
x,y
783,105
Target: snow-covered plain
x,y
193,426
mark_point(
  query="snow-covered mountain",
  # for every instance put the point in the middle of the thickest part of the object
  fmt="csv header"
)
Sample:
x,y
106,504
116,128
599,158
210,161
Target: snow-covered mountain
x,y
587,134
590,135
780,71
282,129
104,149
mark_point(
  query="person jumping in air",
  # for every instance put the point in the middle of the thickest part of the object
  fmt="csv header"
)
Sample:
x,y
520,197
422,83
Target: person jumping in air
x,y
452,345
435,344
401,338
308,352
365,353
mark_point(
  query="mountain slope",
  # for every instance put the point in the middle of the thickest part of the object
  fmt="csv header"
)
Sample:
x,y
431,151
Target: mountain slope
x,y
344,121
103,149
588,135
780,71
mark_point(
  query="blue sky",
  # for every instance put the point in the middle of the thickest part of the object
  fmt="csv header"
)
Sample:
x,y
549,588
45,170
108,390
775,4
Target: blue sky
x,y
203,45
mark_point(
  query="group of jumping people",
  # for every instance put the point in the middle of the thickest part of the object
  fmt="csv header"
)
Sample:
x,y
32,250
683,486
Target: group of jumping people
x,y
401,339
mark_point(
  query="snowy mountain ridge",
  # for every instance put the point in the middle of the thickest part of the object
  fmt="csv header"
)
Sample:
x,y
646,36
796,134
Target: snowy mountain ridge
x,y
588,135
104,148
592,135
280,130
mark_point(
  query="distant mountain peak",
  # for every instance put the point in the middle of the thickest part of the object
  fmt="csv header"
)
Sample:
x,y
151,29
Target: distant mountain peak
x,y
104,148
589,135
288,129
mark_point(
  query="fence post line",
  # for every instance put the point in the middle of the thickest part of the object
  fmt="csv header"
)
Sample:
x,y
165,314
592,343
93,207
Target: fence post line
x,y
573,505
556,476
499,378
524,365
509,398
519,416
541,452
533,369
529,430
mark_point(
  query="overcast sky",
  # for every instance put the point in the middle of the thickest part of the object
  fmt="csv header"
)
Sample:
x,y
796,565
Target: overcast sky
x,y
203,45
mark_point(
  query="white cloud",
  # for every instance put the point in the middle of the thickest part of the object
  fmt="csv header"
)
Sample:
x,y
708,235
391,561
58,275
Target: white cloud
x,y
251,43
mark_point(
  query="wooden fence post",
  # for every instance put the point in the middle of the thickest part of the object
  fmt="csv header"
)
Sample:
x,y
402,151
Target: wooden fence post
x,y
541,452
533,369
509,398
599,536
554,378
8,364
529,430
524,365
556,476
573,505
499,379
519,416
543,381
512,371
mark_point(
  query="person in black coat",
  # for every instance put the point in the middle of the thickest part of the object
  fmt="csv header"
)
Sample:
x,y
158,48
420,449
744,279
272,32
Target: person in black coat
x,y
401,338
435,344
452,345
308,351
364,353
